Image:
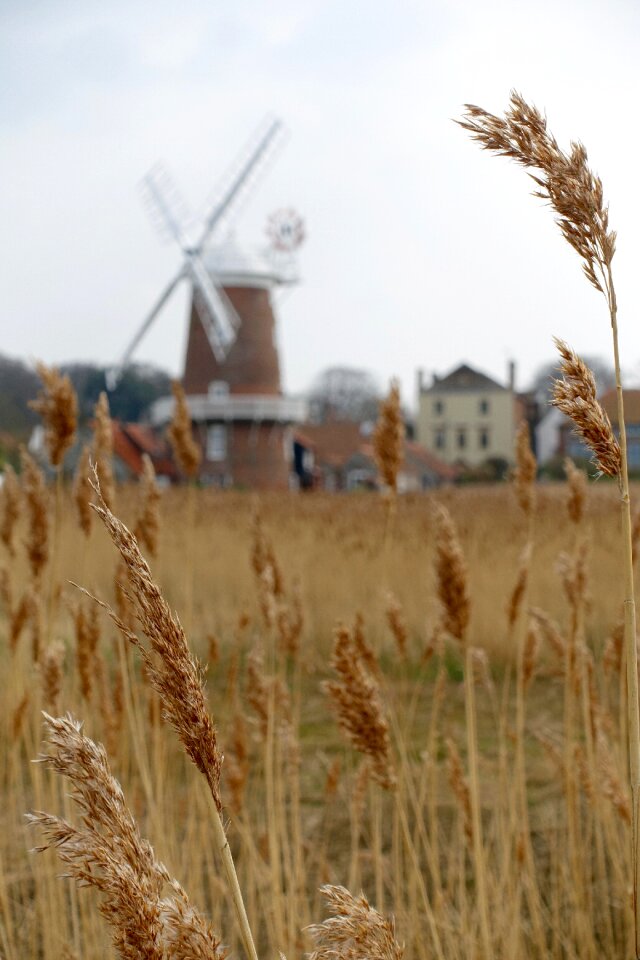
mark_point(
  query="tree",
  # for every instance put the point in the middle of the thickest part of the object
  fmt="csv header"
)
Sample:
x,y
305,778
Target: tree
x,y
344,393
138,386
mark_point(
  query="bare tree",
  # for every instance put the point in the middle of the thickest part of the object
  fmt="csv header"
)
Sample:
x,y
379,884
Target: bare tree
x,y
344,393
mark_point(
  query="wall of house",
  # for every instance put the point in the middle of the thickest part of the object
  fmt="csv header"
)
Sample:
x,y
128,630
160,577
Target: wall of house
x,y
468,425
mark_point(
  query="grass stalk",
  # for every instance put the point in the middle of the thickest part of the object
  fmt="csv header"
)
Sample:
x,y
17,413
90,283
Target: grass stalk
x,y
630,643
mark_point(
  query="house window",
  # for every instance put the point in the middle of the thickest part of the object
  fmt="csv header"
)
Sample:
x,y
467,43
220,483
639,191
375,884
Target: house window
x,y
216,442
219,389
439,439
633,452
483,438
483,405
461,438
438,407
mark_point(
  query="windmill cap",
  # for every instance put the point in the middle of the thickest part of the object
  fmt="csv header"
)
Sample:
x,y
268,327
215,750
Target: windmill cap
x,y
231,265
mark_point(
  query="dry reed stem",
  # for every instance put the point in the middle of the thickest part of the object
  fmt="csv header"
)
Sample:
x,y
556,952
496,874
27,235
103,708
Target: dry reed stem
x,y
57,404
185,450
356,931
108,853
575,395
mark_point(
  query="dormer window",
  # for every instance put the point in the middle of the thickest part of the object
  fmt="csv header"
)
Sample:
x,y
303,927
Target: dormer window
x,y
219,389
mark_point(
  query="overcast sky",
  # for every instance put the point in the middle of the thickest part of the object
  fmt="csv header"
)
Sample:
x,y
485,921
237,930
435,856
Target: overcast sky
x,y
422,251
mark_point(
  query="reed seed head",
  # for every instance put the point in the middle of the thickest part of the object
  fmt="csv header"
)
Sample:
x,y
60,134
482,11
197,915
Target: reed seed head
x,y
57,404
108,853
148,524
82,492
397,624
36,500
576,501
172,670
576,396
103,449
356,931
564,180
186,451
388,438
460,788
524,475
452,576
356,698
11,499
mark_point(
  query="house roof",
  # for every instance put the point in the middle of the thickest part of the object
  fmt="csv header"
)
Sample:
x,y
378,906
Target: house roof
x,y
335,444
465,378
332,442
420,454
132,440
631,399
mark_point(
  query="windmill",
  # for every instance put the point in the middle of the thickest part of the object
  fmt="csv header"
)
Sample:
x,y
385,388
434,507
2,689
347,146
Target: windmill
x,y
232,369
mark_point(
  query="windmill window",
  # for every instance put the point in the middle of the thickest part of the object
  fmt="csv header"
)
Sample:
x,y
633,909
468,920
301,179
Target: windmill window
x,y
217,442
219,389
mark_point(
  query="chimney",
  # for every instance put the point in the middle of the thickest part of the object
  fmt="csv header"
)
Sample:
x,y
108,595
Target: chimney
x,y
512,375
436,380
420,380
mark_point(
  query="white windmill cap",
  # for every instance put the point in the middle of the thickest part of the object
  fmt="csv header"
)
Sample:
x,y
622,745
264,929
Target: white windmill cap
x,y
230,264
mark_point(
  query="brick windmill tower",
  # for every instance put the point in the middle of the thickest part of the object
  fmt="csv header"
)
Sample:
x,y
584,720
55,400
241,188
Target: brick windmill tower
x,y
232,368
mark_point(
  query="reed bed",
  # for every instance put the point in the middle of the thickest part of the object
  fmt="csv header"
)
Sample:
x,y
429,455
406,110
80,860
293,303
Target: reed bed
x,y
289,593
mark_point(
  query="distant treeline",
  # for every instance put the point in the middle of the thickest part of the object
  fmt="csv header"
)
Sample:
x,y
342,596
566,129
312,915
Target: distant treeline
x,y
139,386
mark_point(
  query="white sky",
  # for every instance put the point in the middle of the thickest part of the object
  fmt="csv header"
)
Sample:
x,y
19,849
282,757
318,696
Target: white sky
x,y
422,250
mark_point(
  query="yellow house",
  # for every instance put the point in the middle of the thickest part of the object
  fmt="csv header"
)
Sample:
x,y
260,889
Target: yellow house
x,y
466,417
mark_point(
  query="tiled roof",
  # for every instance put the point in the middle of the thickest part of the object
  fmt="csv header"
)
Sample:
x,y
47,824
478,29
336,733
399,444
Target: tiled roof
x,y
335,443
132,440
464,377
